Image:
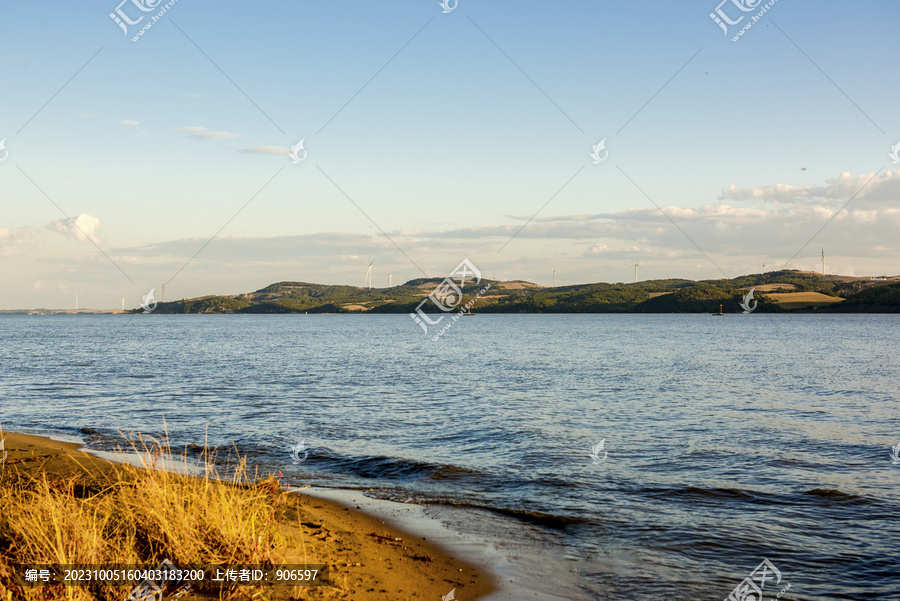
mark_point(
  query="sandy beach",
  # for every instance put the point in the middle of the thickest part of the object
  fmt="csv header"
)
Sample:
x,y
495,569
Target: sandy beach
x,y
366,557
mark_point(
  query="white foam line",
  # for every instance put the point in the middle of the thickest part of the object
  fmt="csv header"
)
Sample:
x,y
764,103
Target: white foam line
x,y
413,518
163,462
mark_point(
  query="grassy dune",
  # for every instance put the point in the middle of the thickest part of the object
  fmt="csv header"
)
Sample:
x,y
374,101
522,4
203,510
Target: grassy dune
x,y
138,515
61,506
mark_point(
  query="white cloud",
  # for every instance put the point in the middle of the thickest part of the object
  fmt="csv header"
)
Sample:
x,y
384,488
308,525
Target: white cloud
x,y
602,246
795,216
608,251
82,228
129,122
14,240
266,150
191,95
599,248
202,133
731,233
835,191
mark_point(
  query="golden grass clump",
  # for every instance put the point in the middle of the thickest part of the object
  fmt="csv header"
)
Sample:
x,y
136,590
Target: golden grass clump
x,y
138,515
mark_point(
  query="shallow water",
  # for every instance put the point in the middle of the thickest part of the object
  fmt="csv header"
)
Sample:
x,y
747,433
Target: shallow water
x,y
729,439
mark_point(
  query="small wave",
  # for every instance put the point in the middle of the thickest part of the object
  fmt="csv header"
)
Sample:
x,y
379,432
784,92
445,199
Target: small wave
x,y
104,441
693,493
54,388
451,472
555,522
822,498
538,518
839,498
399,469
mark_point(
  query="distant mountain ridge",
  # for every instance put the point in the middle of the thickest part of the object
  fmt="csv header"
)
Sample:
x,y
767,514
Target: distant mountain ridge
x,y
777,291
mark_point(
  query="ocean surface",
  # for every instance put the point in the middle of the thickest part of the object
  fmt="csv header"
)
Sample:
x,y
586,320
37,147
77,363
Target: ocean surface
x,y
727,440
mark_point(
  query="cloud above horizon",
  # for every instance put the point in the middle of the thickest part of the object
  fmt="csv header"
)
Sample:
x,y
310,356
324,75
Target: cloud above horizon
x,y
736,238
83,228
14,240
203,133
266,150
838,190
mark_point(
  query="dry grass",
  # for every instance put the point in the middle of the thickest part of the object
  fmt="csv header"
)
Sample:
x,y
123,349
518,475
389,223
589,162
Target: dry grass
x,y
770,287
517,285
798,300
355,307
139,515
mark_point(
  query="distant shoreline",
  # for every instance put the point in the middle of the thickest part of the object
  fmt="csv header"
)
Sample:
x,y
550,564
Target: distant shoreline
x,y
862,310
786,291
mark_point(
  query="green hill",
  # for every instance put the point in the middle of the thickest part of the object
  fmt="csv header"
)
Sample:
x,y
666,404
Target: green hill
x,y
874,299
773,292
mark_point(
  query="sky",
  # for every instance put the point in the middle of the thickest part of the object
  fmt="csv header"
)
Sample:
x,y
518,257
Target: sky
x,y
435,133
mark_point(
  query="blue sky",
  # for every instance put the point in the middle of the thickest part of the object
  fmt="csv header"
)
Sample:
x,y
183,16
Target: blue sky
x,y
484,119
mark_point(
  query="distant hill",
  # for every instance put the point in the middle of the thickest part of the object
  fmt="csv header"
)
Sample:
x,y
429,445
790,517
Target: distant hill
x,y
873,299
777,291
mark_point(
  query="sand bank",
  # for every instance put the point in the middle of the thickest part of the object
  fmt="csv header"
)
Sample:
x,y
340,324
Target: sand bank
x,y
369,557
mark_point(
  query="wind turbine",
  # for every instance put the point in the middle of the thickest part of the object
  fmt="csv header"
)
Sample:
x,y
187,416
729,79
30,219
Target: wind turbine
x,y
390,279
554,278
76,301
823,261
368,282
635,273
